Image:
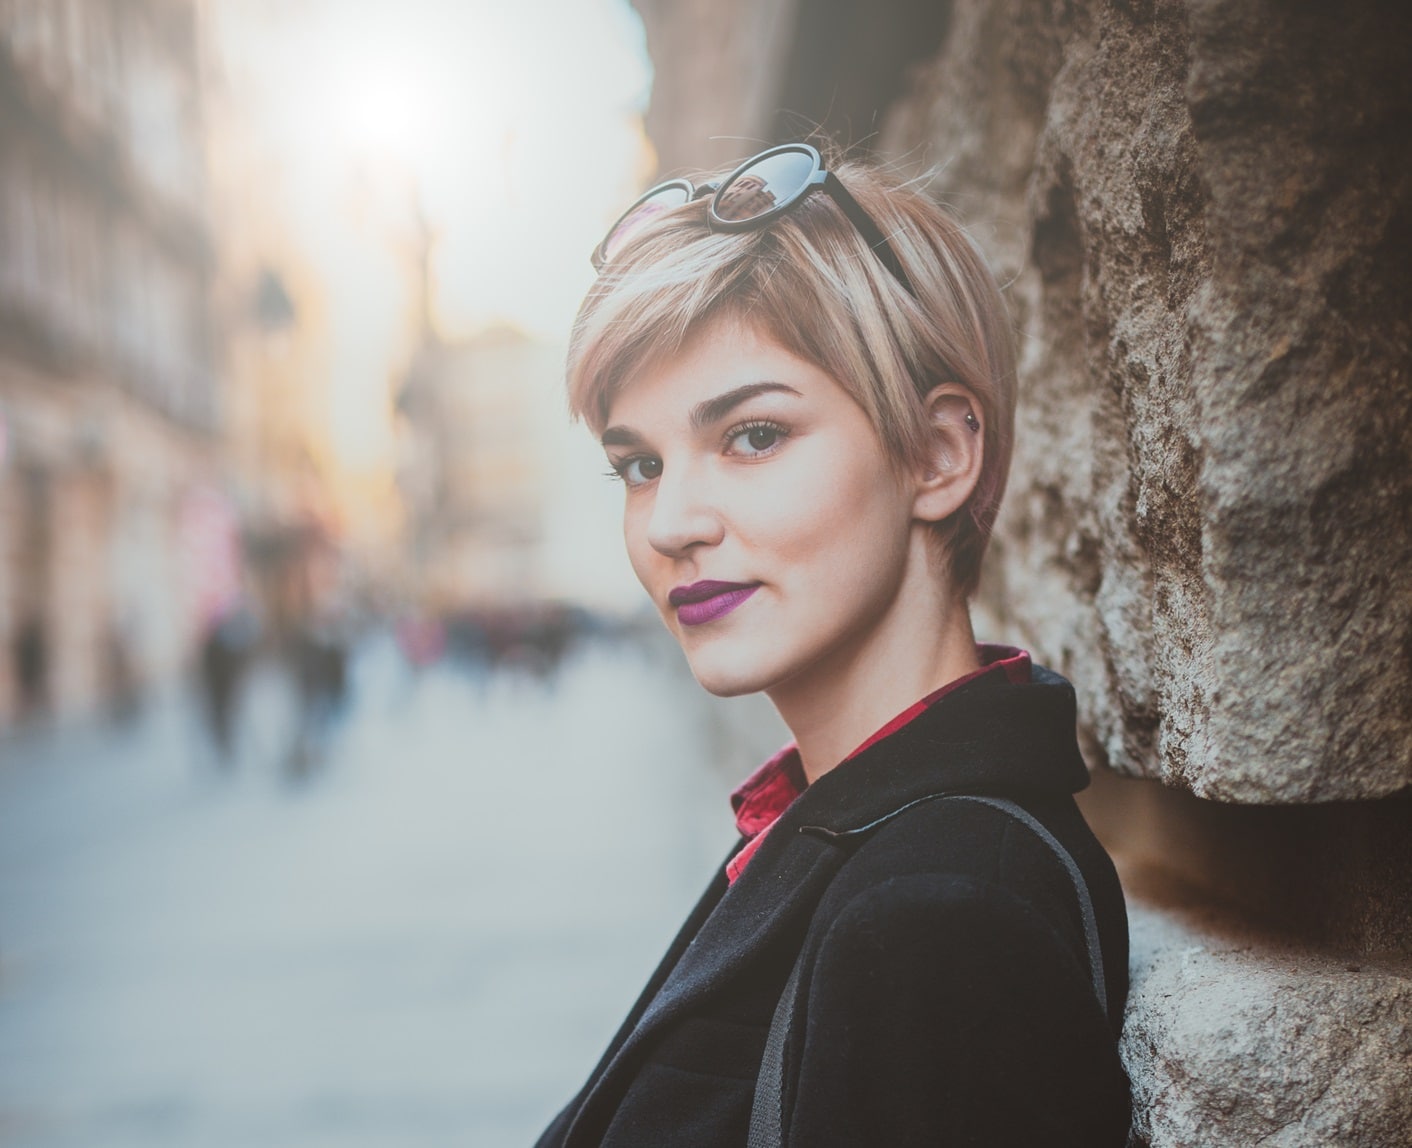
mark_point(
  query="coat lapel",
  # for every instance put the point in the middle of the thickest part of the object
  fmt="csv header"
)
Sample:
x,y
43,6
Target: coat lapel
x,y
773,898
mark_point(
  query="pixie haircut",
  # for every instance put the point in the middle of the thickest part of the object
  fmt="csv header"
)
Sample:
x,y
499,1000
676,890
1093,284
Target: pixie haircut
x,y
810,282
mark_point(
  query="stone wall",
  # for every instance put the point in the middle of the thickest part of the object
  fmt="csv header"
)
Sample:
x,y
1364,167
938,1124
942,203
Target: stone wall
x,y
1206,210
1203,215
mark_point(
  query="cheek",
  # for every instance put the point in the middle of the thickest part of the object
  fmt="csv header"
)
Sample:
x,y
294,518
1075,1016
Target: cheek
x,y
826,509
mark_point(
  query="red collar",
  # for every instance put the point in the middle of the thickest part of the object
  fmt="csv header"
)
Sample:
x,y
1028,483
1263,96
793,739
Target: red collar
x,y
768,792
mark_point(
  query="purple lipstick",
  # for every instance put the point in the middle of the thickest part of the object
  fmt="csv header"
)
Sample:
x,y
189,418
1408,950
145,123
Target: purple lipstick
x,y
703,602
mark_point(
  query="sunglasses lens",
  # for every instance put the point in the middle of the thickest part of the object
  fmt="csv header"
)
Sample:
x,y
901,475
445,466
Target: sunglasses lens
x,y
642,213
763,186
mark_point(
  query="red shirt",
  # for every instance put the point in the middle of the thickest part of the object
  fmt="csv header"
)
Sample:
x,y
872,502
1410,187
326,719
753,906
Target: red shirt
x,y
768,792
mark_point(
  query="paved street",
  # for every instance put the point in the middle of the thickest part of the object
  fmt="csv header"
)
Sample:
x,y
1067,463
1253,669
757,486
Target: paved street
x,y
425,940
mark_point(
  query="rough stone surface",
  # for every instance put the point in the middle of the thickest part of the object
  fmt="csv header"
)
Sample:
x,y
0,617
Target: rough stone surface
x,y
1231,1040
1337,876
1205,212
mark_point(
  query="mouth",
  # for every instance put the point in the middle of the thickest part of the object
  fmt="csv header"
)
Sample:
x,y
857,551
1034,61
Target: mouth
x,y
703,602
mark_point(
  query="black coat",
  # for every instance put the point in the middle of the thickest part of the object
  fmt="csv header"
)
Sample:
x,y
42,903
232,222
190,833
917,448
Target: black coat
x,y
945,996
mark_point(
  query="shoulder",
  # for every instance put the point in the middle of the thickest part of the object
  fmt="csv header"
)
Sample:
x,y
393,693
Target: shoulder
x,y
924,935
940,1002
1000,845
967,881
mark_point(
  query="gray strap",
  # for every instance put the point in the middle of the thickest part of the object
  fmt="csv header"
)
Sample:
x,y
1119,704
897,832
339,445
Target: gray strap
x,y
1095,951
767,1111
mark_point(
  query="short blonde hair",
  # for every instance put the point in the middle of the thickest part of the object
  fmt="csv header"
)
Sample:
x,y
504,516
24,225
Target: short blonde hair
x,y
810,282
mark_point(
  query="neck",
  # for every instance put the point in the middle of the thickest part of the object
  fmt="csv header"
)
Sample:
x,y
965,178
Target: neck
x,y
915,649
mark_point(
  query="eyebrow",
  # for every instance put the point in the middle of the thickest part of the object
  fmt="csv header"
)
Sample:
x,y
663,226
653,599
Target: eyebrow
x,y
706,412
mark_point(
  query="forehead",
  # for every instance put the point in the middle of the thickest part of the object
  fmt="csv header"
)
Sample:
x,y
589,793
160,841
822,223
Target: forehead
x,y
723,355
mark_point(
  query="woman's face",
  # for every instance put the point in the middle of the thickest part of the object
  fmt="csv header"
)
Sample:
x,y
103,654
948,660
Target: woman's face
x,y
763,515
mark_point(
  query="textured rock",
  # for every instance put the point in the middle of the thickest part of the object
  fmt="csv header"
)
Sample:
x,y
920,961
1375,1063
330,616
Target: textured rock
x,y
1205,210
1233,1041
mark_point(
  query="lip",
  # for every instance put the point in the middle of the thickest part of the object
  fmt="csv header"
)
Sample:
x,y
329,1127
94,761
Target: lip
x,y
703,602
700,591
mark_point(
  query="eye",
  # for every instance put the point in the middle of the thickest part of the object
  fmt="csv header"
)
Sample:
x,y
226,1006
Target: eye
x,y
637,469
755,438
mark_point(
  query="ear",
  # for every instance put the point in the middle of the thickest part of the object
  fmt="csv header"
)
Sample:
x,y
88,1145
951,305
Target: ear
x,y
957,449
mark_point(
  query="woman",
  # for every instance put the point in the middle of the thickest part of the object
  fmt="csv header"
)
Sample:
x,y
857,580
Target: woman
x,y
805,381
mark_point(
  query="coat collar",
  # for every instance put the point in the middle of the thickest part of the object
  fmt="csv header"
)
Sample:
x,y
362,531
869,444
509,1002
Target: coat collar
x,y
1015,740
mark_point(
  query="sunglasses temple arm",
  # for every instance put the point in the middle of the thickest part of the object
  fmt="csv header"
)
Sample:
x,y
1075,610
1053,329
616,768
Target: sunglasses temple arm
x,y
868,229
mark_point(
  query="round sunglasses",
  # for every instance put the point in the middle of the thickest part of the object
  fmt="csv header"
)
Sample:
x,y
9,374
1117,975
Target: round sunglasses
x,y
754,195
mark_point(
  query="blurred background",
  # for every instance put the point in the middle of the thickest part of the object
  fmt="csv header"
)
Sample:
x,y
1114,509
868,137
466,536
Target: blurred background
x,y
311,599
349,790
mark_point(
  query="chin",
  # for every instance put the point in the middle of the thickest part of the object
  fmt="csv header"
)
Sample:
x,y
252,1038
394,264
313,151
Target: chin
x,y
727,677
728,686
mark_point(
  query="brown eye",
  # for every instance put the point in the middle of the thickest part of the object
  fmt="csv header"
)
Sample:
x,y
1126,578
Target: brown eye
x,y
756,438
643,468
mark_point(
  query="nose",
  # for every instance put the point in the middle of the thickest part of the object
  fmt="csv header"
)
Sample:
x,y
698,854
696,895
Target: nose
x,y
683,513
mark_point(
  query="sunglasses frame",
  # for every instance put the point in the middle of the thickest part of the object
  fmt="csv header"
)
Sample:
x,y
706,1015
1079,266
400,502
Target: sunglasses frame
x,y
599,257
819,179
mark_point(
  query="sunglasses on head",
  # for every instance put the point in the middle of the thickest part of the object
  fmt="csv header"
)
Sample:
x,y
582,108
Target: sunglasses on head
x,y
754,195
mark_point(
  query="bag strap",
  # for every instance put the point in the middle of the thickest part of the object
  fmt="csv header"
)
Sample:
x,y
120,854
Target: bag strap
x,y
767,1111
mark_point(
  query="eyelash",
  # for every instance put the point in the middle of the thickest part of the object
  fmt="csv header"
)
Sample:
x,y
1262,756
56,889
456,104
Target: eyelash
x,y
617,470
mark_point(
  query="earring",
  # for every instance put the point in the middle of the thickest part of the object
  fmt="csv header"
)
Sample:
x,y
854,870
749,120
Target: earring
x,y
972,422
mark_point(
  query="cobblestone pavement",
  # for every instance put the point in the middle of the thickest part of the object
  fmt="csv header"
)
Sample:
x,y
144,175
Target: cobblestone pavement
x,y
425,940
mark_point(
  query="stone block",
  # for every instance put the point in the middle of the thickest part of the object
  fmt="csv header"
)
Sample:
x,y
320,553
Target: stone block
x,y
1231,1039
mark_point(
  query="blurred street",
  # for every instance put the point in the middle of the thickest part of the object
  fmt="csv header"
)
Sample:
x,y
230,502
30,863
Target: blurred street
x,y
343,798
420,932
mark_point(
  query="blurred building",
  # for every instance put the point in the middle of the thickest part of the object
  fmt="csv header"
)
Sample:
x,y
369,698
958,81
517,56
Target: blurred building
x,y
473,468
108,397
269,303
275,417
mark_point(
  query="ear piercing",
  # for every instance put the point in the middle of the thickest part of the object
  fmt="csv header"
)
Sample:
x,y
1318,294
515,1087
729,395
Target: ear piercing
x,y
972,422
